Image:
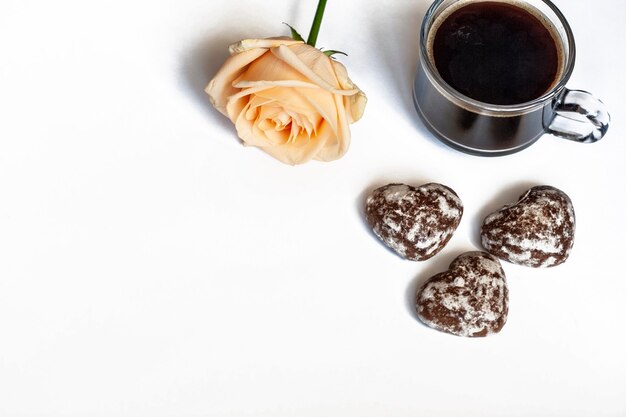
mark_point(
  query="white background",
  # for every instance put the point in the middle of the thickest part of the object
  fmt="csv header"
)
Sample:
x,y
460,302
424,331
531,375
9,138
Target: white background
x,y
152,266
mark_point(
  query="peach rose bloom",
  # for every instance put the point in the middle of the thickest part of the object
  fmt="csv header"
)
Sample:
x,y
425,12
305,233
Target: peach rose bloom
x,y
287,98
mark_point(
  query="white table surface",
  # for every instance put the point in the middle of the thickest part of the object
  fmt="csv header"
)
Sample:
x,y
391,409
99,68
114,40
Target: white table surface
x,y
152,266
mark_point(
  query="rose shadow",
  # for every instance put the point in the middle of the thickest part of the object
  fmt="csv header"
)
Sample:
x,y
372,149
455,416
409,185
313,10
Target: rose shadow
x,y
506,196
199,65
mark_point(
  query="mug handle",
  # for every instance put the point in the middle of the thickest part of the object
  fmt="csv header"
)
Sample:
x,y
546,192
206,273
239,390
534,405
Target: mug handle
x,y
579,116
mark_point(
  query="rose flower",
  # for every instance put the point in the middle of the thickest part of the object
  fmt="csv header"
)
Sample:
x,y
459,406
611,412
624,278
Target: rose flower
x,y
287,98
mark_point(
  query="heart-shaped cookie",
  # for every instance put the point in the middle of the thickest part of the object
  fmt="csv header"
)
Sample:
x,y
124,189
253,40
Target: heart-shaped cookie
x,y
470,299
537,231
416,222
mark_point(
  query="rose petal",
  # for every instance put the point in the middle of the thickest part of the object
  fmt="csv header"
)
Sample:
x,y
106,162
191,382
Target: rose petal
x,y
323,104
247,44
337,147
249,132
295,100
297,153
270,113
220,87
356,103
317,60
257,101
270,68
268,73
355,106
275,137
236,103
269,84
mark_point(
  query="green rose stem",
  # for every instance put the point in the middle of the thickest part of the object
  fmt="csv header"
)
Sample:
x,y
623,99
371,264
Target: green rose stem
x,y
317,22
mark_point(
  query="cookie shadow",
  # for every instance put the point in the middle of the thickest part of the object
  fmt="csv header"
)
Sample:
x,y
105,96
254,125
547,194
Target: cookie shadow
x,y
507,196
438,263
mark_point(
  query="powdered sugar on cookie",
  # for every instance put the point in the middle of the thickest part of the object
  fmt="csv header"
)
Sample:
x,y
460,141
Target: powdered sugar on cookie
x,y
416,222
537,231
470,299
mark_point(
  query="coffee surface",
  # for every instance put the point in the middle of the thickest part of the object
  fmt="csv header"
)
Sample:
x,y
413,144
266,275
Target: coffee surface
x,y
496,53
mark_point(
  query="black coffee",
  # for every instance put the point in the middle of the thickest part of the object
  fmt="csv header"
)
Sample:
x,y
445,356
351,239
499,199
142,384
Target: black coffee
x,y
496,53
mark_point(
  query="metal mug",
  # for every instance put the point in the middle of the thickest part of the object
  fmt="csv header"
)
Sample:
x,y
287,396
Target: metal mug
x,y
487,129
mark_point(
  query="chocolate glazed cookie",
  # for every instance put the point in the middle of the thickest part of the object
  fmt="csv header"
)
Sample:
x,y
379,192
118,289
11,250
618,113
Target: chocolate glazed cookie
x,y
416,222
537,231
470,299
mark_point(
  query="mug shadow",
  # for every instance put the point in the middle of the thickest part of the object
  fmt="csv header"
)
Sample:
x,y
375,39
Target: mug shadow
x,y
506,196
400,50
